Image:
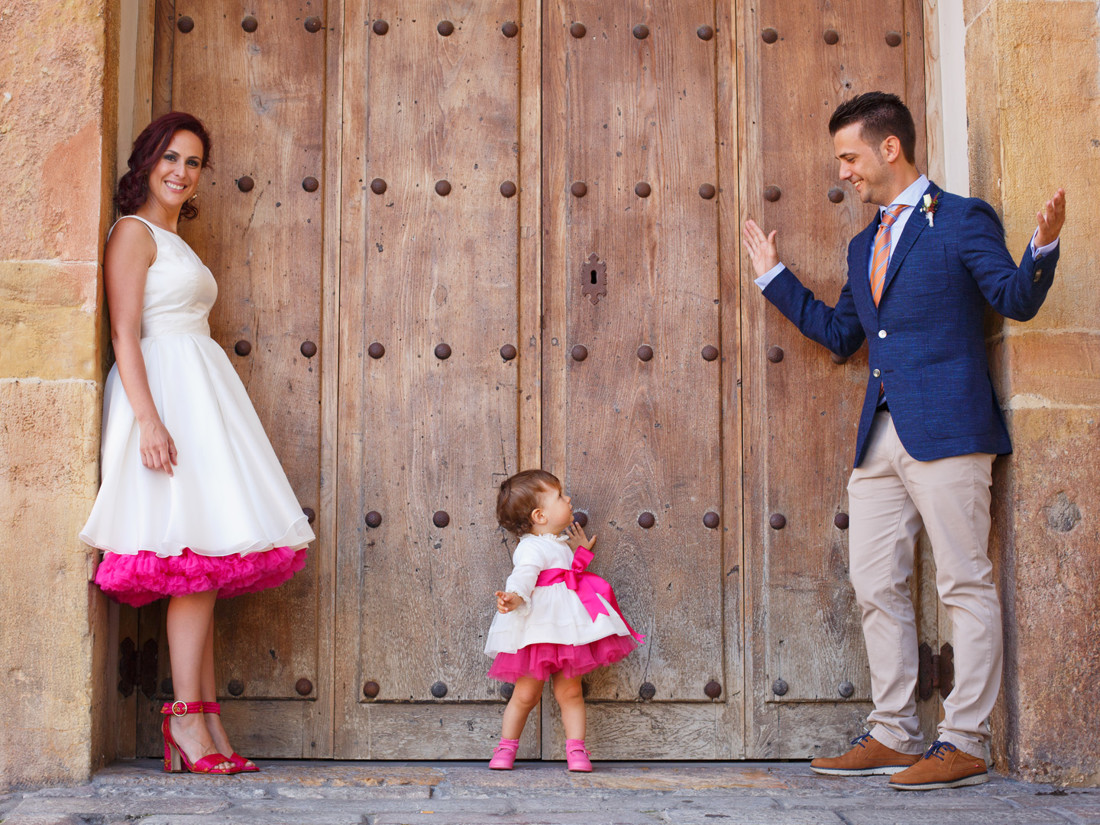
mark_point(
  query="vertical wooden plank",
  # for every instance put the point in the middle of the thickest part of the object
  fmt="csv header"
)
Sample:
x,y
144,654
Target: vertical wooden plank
x,y
351,528
933,92
803,624
642,436
164,30
729,245
428,433
262,95
320,722
529,343
142,110
634,437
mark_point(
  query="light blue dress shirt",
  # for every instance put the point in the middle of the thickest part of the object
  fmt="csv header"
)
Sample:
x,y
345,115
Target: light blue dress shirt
x,y
910,197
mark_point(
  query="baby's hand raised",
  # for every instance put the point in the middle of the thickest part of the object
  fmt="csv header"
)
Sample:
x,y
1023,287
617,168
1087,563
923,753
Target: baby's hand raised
x,y
507,602
574,534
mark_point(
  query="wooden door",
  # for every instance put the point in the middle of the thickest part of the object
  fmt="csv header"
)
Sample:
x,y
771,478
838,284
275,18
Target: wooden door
x,y
256,76
807,671
399,185
640,353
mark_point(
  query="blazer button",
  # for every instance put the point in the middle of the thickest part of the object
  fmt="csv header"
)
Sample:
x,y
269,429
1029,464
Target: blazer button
x,y
877,373
882,333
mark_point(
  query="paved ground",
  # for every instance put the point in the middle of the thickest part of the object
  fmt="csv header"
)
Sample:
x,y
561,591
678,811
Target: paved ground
x,y
536,793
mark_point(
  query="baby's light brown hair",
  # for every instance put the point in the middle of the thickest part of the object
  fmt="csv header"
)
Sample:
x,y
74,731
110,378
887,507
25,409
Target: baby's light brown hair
x,y
518,498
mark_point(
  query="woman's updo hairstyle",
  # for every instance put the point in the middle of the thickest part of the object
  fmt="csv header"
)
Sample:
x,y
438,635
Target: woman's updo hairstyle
x,y
133,189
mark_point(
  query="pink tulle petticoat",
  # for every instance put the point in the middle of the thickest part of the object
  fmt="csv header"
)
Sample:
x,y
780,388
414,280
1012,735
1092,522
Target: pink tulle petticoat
x,y
542,660
145,577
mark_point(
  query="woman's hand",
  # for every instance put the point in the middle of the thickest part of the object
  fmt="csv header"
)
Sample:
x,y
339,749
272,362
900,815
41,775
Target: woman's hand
x,y
507,602
158,450
574,534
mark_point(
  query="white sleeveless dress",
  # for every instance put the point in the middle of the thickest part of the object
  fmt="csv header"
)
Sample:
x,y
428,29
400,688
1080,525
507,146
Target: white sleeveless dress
x,y
227,519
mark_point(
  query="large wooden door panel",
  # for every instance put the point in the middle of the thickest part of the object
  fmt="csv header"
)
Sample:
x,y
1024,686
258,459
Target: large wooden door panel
x,y
807,668
261,95
429,419
633,381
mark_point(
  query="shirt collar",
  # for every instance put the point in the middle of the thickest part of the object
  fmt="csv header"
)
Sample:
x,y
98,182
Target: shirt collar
x,y
911,195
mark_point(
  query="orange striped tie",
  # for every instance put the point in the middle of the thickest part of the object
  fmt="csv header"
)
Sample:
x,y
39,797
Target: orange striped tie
x,y
880,258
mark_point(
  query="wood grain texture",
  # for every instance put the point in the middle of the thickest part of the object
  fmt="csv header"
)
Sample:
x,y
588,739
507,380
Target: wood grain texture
x,y
802,621
407,604
142,104
730,739
262,97
652,730
529,339
420,434
164,30
629,436
436,730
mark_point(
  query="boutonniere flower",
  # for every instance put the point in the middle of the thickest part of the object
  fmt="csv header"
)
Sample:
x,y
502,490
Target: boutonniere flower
x,y
929,207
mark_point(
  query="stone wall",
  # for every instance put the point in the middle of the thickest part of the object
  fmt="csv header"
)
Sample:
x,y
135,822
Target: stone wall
x,y
56,142
1033,105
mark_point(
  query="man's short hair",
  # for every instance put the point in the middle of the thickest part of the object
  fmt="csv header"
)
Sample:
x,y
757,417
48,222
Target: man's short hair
x,y
880,115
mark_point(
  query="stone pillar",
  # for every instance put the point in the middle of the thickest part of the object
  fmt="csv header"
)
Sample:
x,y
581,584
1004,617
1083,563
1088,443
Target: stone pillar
x,y
1033,105
57,145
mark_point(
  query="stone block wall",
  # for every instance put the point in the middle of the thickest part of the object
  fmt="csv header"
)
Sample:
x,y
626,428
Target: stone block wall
x,y
1033,106
56,143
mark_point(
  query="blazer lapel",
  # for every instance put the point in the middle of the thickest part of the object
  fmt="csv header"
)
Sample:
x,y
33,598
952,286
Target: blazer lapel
x,y
866,239
916,224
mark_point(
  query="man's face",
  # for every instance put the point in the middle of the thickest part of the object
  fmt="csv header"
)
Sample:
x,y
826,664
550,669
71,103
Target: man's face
x,y
862,165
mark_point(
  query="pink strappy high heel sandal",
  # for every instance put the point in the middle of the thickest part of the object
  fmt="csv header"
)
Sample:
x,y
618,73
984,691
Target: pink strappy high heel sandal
x,y
241,764
174,757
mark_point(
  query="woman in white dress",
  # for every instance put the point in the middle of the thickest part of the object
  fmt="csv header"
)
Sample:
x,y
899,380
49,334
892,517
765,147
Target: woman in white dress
x,y
194,504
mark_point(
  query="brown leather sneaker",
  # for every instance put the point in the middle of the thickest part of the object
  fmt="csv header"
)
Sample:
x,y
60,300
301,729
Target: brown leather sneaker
x,y
868,757
944,766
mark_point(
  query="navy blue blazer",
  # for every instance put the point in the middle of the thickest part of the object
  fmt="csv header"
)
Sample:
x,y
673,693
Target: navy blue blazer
x,y
926,342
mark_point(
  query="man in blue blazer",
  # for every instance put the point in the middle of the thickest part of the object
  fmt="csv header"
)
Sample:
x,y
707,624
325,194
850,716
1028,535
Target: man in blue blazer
x,y
919,279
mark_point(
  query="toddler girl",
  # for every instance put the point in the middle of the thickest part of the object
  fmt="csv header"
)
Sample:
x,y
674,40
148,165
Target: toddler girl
x,y
554,618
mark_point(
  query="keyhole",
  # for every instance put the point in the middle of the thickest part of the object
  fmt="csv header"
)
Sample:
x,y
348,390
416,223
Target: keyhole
x,y
593,276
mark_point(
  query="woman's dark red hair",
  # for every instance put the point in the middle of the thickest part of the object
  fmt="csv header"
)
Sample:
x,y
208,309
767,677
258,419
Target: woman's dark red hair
x,y
133,189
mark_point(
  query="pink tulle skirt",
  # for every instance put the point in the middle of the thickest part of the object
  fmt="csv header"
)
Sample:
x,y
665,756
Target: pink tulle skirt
x,y
145,577
542,660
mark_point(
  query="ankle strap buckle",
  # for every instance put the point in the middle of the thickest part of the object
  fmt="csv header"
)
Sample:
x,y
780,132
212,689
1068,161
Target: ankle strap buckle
x,y
182,708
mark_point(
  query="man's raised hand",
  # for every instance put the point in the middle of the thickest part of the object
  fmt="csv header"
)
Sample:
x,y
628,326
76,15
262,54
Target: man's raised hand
x,y
762,249
1050,219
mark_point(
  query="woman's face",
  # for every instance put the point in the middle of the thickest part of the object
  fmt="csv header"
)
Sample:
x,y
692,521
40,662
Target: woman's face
x,y
174,178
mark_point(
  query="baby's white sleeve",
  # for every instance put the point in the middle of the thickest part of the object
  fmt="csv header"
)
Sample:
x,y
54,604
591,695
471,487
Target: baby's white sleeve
x,y
527,566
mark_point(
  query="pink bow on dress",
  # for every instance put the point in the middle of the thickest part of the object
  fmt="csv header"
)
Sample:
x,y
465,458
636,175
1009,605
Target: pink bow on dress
x,y
588,587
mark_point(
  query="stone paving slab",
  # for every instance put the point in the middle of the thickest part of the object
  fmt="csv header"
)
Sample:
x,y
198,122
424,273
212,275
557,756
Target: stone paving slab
x,y
1079,816
777,817
431,817
537,793
139,806
870,816
239,818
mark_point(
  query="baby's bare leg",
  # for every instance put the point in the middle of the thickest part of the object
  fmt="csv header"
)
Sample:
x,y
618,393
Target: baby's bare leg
x,y
571,701
525,696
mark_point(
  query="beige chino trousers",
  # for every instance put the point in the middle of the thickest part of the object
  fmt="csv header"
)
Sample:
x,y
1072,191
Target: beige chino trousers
x,y
890,496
